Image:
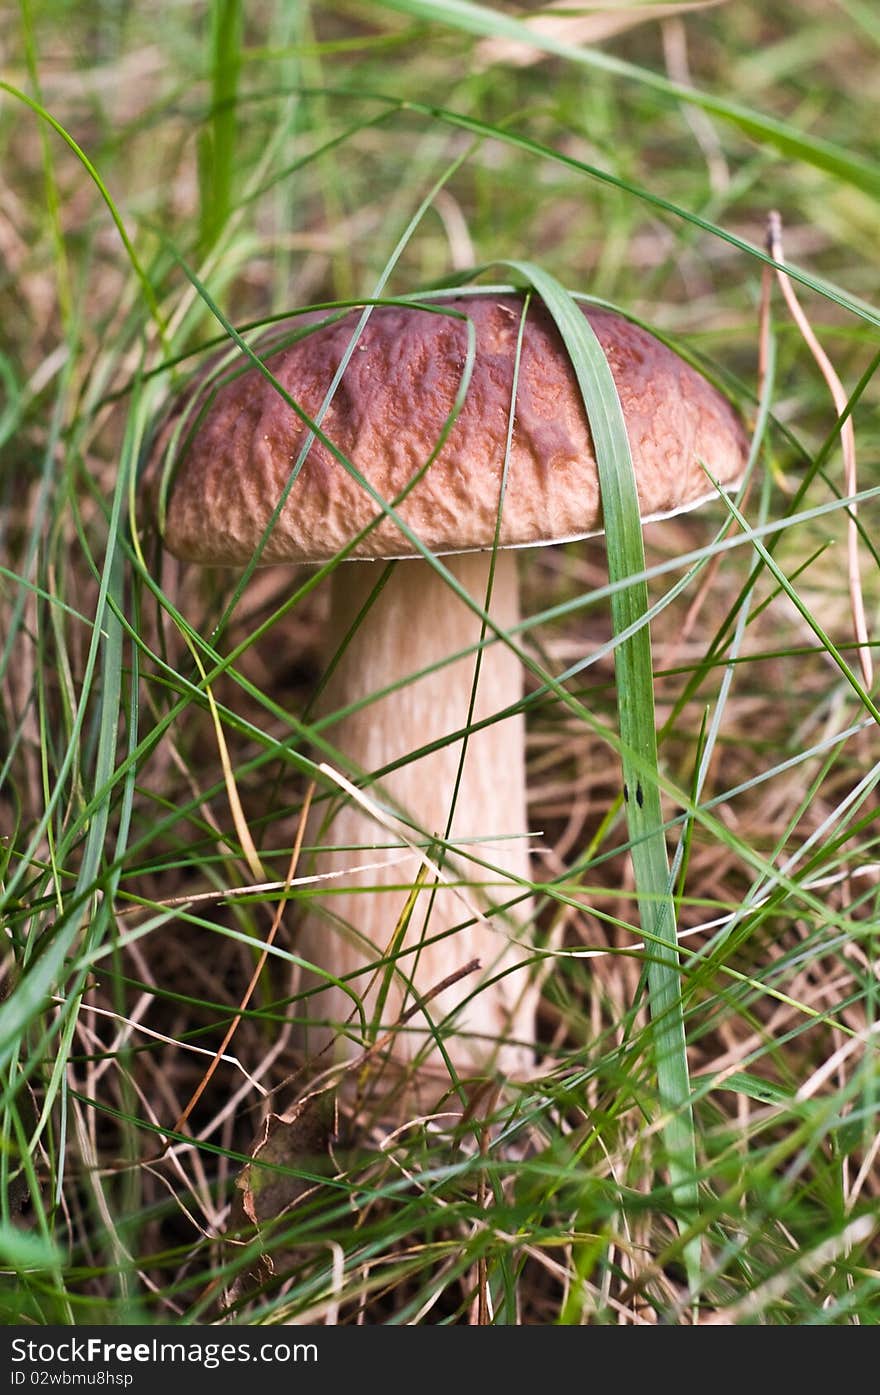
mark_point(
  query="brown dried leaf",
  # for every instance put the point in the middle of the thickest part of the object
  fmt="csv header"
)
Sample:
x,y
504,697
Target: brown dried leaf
x,y
298,1141
577,30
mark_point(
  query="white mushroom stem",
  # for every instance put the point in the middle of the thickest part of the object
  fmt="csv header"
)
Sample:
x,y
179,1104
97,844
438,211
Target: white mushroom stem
x,y
416,622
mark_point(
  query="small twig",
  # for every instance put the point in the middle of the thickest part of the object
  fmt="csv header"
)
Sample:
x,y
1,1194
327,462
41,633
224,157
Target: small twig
x,y
131,1024
397,827
255,977
235,893
847,442
381,1042
674,35
824,1072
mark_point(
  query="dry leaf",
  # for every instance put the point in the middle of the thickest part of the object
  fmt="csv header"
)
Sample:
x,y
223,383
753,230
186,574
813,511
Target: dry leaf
x,y
576,31
298,1141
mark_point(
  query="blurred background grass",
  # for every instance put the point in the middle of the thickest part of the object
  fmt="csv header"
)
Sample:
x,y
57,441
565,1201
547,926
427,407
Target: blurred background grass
x,y
280,153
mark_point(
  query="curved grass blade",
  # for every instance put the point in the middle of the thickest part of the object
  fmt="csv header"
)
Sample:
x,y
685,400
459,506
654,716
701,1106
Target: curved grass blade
x,y
788,140
143,278
635,706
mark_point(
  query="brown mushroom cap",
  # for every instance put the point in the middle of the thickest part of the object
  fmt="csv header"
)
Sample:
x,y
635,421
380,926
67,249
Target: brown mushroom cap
x,y
391,407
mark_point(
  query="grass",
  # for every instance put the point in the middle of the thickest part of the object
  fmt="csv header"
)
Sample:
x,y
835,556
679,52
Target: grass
x,y
172,181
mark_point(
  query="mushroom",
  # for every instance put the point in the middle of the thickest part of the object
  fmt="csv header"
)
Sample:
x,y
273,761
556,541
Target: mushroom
x,y
386,416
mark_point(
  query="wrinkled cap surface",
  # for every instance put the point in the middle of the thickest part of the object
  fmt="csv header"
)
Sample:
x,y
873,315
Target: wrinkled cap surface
x,y
241,440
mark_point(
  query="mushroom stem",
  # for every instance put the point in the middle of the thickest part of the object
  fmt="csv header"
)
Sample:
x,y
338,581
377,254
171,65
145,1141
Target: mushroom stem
x,y
417,621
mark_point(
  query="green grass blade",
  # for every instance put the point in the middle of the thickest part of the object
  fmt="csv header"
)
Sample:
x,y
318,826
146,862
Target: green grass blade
x,y
48,967
530,146
788,140
145,283
217,141
53,202
635,705
825,640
